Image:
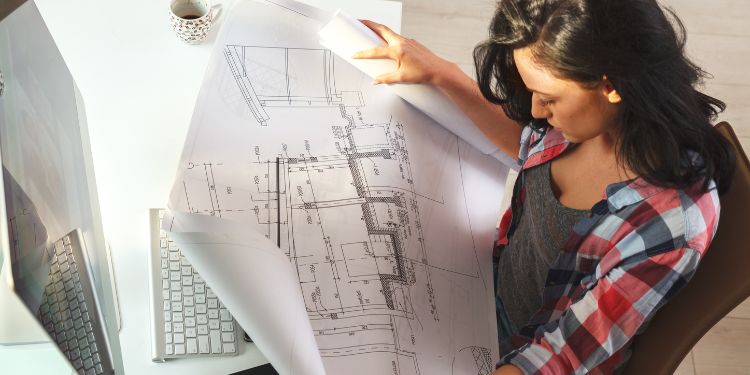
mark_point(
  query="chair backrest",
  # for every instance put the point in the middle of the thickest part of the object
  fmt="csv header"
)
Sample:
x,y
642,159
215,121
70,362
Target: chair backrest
x,y
721,282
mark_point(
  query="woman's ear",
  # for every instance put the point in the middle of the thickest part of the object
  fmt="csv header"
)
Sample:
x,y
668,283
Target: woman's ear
x,y
609,91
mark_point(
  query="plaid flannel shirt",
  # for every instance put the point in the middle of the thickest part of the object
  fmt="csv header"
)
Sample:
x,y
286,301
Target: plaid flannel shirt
x,y
639,246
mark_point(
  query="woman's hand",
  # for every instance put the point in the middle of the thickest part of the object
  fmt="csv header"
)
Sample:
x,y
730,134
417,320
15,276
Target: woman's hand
x,y
415,62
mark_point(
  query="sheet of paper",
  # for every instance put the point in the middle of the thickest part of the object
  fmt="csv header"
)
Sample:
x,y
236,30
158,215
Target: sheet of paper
x,y
385,218
345,35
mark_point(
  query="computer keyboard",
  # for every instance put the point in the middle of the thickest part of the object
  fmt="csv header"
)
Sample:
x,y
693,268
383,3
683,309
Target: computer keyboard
x,y
187,318
68,309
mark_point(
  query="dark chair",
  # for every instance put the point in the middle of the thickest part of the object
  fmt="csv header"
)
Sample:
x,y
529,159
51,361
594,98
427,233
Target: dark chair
x,y
721,282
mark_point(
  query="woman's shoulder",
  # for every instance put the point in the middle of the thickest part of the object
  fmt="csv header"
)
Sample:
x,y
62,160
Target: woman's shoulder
x,y
680,217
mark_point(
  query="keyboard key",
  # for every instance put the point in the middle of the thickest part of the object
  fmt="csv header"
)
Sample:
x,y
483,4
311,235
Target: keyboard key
x,y
192,346
225,316
227,327
187,271
200,309
199,288
213,324
215,342
189,311
179,338
168,327
175,286
213,303
174,255
170,349
168,338
200,299
179,349
229,348
178,327
177,296
167,316
187,290
189,301
191,333
203,329
190,322
165,284
187,280
177,317
203,345
174,266
176,306
227,336
167,305
202,319
174,276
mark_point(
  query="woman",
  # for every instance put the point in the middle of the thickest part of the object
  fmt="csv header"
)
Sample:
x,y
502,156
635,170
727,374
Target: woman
x,y
617,197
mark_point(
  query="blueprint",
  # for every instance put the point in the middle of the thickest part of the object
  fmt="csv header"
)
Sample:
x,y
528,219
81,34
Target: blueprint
x,y
386,218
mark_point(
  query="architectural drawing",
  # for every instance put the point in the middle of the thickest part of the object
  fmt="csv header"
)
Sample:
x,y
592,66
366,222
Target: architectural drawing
x,y
367,197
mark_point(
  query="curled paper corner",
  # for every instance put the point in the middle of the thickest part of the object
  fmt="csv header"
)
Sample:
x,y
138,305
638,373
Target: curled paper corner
x,y
238,264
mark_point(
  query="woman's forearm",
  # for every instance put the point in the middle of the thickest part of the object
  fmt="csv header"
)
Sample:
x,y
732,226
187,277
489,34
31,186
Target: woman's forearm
x,y
488,117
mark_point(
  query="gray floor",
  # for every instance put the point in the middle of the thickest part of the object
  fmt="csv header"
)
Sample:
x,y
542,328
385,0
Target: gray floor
x,y
718,40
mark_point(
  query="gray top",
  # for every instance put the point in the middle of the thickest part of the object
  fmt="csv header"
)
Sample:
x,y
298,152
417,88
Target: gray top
x,y
544,226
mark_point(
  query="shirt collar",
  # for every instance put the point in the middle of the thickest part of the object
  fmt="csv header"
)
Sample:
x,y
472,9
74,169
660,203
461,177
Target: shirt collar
x,y
625,193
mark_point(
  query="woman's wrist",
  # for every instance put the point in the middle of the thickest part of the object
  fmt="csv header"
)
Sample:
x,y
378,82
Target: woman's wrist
x,y
446,75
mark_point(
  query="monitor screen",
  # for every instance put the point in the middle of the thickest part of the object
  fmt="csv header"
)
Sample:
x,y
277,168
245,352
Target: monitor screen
x,y
48,178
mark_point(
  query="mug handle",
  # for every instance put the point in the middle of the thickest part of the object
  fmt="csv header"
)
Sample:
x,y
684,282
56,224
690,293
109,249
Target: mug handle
x,y
215,13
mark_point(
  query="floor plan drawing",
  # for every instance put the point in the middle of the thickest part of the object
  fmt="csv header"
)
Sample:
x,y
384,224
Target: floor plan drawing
x,y
367,200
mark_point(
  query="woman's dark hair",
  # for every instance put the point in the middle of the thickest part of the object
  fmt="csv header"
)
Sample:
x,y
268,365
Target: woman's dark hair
x,y
663,121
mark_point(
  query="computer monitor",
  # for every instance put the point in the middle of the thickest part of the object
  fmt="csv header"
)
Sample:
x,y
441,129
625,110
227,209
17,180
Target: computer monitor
x,y
50,226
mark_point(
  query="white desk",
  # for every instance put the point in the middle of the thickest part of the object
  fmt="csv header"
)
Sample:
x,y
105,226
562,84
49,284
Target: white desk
x,y
139,83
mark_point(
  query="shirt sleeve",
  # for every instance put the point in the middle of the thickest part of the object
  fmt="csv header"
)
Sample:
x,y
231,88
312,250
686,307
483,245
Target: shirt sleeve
x,y
607,316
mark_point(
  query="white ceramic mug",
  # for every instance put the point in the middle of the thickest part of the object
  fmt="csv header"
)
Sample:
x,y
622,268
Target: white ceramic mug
x,y
192,19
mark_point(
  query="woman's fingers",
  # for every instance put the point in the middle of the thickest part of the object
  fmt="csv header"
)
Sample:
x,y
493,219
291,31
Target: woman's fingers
x,y
388,78
374,53
384,31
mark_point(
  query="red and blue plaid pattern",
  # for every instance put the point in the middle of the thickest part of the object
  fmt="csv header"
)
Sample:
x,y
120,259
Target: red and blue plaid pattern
x,y
640,245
